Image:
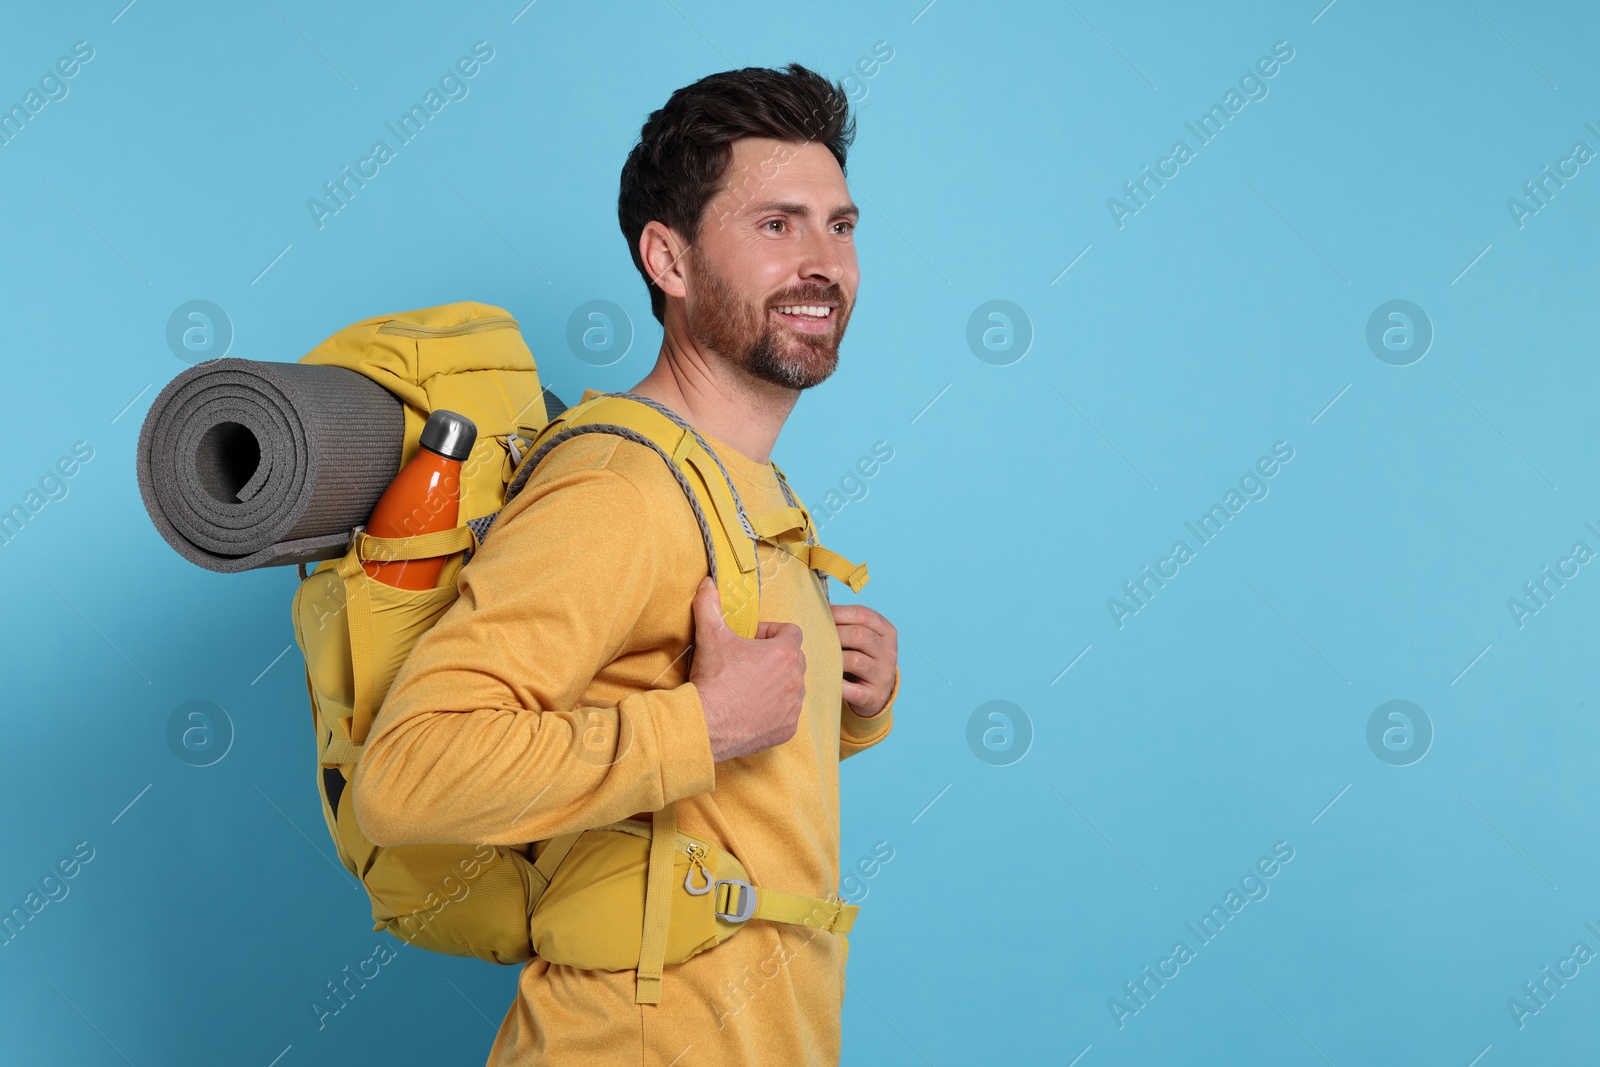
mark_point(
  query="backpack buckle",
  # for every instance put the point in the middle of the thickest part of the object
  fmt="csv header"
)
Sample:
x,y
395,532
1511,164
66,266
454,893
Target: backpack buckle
x,y
746,900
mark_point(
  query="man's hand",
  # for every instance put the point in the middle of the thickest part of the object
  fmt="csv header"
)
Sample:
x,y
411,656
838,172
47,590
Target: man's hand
x,y
871,648
752,688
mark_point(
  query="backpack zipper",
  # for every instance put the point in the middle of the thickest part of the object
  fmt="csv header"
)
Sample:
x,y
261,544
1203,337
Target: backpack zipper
x,y
411,329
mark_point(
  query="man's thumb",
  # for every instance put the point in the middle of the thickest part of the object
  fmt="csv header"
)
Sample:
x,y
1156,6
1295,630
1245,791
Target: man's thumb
x,y
708,609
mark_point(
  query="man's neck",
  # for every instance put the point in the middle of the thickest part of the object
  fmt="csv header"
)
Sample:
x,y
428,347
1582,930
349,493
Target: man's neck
x,y
716,398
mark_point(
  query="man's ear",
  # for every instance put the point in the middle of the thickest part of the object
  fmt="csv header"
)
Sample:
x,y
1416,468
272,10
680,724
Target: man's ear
x,y
661,249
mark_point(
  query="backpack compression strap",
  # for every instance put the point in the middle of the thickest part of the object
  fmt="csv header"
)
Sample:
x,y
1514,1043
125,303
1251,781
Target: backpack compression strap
x,y
735,900
657,907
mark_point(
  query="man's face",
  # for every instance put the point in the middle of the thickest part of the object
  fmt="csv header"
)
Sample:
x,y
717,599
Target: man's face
x,y
776,246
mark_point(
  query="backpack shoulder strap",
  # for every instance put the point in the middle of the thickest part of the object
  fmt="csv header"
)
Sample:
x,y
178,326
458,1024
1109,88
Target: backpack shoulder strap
x,y
725,528
789,528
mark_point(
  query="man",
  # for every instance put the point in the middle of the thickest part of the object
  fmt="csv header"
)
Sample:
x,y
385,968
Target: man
x,y
553,696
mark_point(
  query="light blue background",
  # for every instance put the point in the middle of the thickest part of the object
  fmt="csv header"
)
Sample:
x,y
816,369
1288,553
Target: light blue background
x,y
1225,316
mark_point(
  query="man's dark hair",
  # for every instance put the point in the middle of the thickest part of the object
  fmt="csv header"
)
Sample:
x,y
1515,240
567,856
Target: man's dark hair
x,y
684,149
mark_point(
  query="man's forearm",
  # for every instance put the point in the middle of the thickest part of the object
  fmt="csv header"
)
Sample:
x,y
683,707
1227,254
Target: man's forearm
x,y
511,776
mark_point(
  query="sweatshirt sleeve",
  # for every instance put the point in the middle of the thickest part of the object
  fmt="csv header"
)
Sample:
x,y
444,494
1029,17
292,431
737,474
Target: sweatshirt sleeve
x,y
482,736
857,733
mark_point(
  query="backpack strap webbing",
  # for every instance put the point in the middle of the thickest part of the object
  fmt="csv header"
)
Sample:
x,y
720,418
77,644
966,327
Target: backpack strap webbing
x,y
709,490
724,526
555,850
657,906
774,905
790,529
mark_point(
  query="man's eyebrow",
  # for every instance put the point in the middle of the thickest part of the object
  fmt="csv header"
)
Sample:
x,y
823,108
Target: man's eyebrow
x,y
790,207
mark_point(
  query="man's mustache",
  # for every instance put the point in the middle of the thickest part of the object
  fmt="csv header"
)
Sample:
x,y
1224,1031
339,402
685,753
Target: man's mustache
x,y
833,295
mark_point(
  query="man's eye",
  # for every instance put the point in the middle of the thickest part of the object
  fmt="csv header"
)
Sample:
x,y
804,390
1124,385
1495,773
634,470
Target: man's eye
x,y
774,222
849,227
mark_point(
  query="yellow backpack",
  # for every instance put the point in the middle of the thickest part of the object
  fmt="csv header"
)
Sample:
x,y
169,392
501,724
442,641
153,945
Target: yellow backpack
x,y
626,896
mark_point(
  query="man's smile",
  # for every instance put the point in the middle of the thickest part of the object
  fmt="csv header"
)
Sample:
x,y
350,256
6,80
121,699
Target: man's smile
x,y
806,318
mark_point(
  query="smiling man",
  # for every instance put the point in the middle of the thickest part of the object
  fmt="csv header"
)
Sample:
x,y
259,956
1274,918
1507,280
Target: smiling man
x,y
575,617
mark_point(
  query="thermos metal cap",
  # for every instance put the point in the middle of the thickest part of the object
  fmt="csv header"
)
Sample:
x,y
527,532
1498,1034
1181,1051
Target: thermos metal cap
x,y
449,434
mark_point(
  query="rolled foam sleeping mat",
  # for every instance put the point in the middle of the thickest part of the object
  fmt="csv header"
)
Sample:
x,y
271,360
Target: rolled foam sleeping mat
x,y
246,464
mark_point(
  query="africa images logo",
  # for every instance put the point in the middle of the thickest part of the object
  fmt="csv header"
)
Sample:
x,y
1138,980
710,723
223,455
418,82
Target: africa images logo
x,y
1252,485
1205,129
452,86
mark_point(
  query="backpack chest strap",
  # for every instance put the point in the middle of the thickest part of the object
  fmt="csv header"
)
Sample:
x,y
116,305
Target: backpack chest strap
x,y
790,529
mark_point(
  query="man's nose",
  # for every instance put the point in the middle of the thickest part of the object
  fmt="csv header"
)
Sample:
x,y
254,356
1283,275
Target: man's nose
x,y
820,256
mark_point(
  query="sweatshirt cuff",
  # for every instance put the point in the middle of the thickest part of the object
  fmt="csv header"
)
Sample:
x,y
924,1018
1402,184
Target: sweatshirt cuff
x,y
862,729
683,744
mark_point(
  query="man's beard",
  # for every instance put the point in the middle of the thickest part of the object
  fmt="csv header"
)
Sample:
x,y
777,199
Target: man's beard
x,y
743,332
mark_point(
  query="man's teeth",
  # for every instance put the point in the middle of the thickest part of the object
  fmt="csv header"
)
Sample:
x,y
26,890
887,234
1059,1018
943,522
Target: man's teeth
x,y
812,310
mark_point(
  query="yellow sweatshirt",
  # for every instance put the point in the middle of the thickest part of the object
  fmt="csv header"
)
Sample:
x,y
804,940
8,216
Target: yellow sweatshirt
x,y
553,696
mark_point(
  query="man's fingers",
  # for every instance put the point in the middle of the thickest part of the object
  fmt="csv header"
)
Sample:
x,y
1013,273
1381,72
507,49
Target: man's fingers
x,y
856,636
782,629
861,615
769,630
856,613
862,666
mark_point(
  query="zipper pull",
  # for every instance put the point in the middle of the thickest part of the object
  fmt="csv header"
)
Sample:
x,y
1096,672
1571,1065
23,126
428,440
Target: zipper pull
x,y
697,854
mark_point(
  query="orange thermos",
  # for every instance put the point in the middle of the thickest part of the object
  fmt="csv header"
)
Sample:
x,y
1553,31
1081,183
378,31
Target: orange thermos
x,y
424,497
